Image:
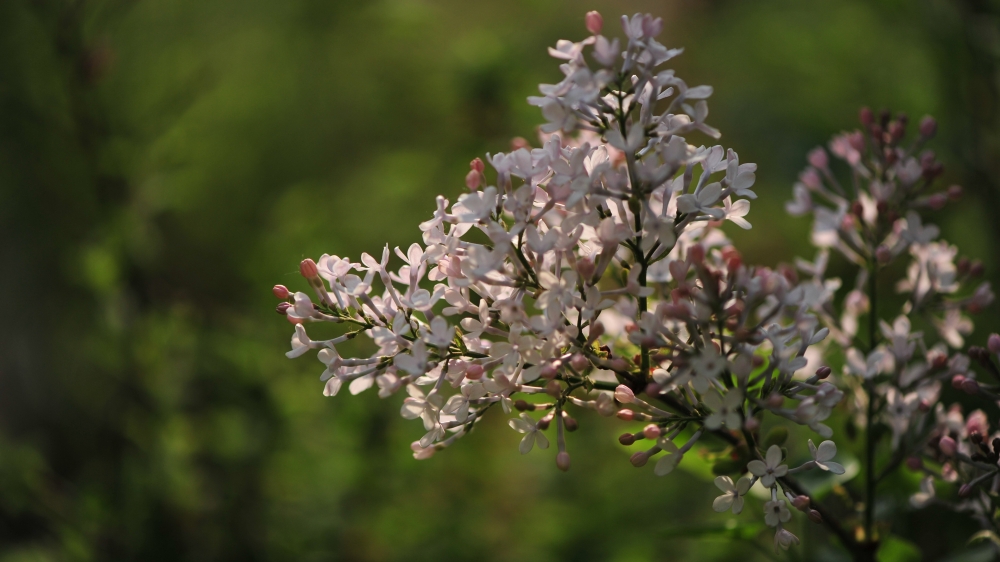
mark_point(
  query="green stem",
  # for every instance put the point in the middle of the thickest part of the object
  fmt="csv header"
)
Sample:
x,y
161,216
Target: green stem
x,y
871,477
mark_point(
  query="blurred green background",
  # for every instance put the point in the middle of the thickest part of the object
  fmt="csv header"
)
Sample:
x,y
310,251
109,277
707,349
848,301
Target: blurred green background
x,y
163,163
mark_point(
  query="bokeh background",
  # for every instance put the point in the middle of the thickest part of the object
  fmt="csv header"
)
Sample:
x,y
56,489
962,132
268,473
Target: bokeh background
x,y
163,163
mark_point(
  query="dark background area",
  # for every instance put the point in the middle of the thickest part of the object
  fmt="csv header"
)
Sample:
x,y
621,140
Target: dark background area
x,y
163,163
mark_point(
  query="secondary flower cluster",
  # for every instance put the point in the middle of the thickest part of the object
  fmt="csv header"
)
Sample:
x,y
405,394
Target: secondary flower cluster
x,y
894,372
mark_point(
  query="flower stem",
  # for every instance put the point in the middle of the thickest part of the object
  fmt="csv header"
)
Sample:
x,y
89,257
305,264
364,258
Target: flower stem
x,y
871,478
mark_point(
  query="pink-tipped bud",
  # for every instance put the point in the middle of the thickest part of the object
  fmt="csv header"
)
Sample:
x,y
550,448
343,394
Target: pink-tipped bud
x,y
639,458
282,308
472,180
626,414
477,165
993,343
775,400
626,439
970,386
818,158
823,372
696,253
937,201
548,371
517,143
801,503
308,269
955,192
651,431
866,116
815,516
596,331
585,267
928,126
624,394
957,381
280,291
474,372
751,424
882,254
562,461
579,362
553,389
594,22
948,446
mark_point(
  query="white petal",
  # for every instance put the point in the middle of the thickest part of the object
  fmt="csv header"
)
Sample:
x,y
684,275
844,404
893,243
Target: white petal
x,y
526,443
723,502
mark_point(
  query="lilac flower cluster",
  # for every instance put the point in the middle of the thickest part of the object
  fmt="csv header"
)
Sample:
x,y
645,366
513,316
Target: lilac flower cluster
x,y
592,273
872,217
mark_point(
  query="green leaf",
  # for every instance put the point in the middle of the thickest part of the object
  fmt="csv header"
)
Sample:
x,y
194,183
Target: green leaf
x,y
895,549
985,535
777,436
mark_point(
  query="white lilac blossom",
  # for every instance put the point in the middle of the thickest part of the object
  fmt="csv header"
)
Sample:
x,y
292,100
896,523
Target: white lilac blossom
x,y
874,208
592,272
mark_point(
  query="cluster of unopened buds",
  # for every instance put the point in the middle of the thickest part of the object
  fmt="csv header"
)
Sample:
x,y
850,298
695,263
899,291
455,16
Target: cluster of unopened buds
x,y
592,273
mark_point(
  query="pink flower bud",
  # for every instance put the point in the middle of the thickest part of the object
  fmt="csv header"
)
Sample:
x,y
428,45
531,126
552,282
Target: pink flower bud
x,y
928,126
477,165
696,254
993,343
818,158
562,461
548,371
751,424
801,503
775,400
653,389
626,415
517,143
815,516
596,331
282,308
585,267
651,431
823,372
866,116
957,381
472,180
280,291
553,389
955,192
937,201
474,372
624,394
948,446
579,362
308,269
626,439
970,386
594,22
421,453
639,458
882,254
914,463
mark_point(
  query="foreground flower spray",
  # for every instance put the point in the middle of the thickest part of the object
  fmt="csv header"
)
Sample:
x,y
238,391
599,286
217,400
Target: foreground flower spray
x,y
591,273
